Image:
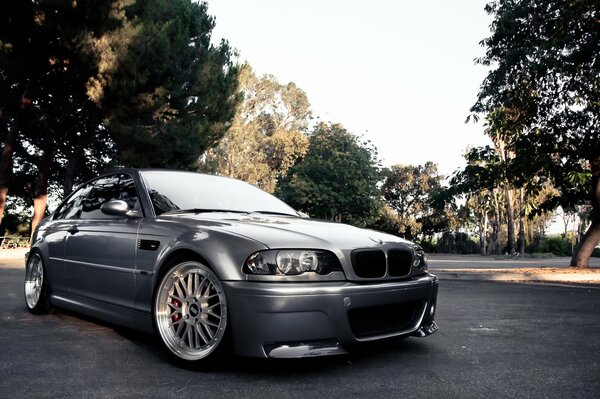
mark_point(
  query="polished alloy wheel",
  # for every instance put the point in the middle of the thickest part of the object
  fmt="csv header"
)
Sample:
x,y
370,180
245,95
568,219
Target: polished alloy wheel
x,y
34,280
191,311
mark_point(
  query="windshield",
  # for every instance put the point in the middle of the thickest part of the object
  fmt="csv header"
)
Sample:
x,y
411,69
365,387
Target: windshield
x,y
172,191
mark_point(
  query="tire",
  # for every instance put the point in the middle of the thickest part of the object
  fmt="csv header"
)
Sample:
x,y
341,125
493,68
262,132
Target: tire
x,y
190,313
37,291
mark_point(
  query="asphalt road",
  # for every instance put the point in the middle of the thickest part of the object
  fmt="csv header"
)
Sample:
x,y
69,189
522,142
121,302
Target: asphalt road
x,y
496,340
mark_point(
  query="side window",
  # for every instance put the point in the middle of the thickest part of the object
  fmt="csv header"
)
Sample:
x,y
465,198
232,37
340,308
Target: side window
x,y
128,192
72,208
86,202
121,187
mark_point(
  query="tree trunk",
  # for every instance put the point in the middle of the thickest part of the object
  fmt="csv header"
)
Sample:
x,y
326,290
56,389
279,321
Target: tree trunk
x,y
40,199
70,176
584,250
521,222
483,239
6,165
510,220
497,242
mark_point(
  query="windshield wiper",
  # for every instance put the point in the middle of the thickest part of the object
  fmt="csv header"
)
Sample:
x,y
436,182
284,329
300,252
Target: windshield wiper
x,y
202,210
274,213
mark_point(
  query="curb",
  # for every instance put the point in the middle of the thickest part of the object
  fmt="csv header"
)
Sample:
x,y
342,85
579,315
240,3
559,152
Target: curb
x,y
573,278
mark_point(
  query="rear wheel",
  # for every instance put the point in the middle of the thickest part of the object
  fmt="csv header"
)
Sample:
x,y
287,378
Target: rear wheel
x,y
37,293
190,312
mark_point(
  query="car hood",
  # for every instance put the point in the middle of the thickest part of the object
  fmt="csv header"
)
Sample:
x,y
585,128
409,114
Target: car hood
x,y
286,232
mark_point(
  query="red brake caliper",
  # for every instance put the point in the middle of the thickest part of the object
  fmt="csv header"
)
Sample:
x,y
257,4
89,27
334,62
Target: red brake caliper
x,y
177,305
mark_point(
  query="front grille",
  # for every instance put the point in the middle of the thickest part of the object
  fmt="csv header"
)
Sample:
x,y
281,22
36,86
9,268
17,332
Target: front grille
x,y
399,262
374,263
384,319
369,264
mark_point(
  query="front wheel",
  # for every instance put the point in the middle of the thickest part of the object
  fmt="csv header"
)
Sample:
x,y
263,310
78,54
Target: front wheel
x,y
37,293
190,311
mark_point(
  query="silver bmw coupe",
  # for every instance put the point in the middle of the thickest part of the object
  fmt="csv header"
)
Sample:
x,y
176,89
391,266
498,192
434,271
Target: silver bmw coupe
x,y
208,261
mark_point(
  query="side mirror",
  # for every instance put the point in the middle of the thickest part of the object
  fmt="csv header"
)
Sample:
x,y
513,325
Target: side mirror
x,y
118,208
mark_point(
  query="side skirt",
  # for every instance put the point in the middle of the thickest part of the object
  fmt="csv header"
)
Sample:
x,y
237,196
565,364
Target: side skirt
x,y
113,314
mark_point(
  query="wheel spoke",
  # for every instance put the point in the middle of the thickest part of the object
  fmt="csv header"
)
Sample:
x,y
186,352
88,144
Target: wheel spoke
x,y
196,284
190,283
180,293
208,330
173,296
210,323
190,336
180,328
199,287
183,286
174,323
207,290
198,328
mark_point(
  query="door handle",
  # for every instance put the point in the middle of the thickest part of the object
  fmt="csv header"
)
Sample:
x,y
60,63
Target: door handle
x,y
73,229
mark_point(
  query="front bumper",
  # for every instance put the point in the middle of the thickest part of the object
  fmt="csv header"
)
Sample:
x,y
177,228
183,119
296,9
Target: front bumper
x,y
316,319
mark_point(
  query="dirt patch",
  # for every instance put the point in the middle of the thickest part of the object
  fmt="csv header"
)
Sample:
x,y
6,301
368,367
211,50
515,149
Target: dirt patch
x,y
12,264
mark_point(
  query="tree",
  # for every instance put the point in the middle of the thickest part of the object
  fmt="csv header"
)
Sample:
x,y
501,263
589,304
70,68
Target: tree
x,y
543,92
408,190
337,179
267,135
88,84
485,185
168,92
44,66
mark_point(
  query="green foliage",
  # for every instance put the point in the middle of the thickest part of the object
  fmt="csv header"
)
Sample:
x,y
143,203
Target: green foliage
x,y
411,192
483,172
456,243
557,246
170,93
87,85
45,62
386,220
267,135
337,179
541,99
16,219
542,94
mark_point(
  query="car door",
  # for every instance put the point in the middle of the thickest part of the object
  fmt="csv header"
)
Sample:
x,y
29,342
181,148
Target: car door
x,y
55,236
100,248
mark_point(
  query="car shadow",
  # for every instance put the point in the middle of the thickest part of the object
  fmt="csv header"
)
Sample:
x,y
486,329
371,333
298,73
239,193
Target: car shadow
x,y
360,355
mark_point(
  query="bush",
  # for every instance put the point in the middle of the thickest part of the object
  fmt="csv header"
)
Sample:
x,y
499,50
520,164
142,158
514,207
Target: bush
x,y
428,246
556,245
539,255
457,243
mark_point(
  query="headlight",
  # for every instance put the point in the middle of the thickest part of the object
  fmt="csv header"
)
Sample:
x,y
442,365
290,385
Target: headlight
x,y
291,262
420,260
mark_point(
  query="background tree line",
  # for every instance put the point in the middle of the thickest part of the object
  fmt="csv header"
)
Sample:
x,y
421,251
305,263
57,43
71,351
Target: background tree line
x,y
85,86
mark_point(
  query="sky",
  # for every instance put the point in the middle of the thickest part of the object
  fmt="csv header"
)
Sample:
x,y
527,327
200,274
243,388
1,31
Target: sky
x,y
398,73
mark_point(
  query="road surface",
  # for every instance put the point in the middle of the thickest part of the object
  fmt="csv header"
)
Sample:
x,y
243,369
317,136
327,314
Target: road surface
x,y
495,340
